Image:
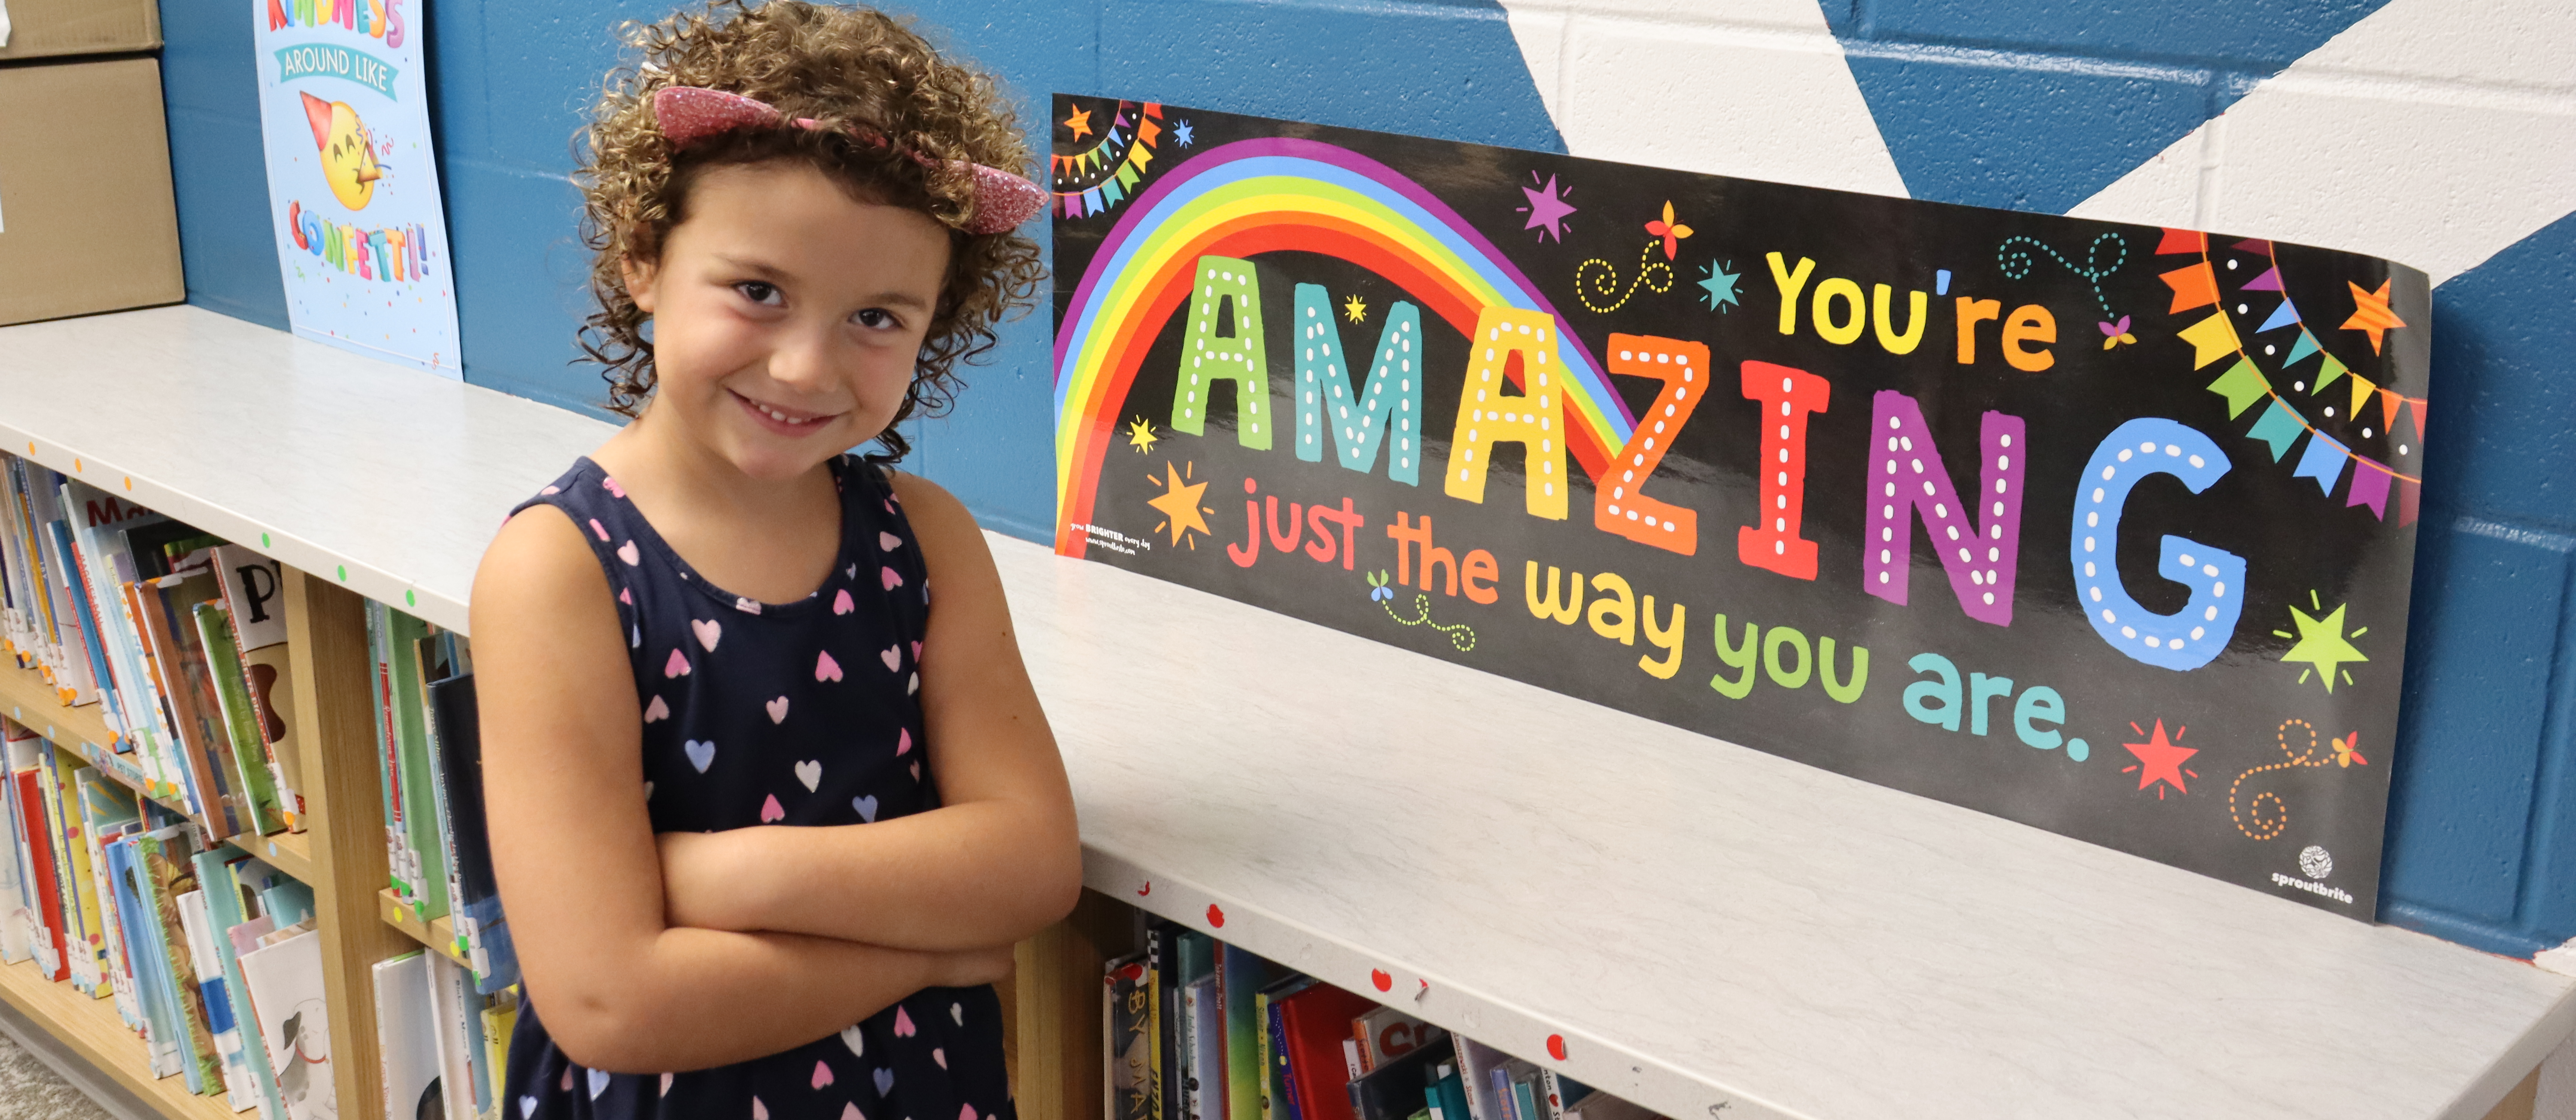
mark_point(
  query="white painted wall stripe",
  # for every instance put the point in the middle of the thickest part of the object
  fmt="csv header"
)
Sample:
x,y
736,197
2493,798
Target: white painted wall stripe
x,y
1751,88
2433,132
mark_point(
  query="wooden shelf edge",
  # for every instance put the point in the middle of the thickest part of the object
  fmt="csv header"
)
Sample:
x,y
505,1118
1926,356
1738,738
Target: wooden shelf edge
x,y
93,1030
437,935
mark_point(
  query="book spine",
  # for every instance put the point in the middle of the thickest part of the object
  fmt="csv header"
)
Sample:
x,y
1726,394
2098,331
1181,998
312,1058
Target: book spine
x,y
37,869
241,741
71,870
94,627
1354,1057
389,754
195,783
1284,1086
221,1023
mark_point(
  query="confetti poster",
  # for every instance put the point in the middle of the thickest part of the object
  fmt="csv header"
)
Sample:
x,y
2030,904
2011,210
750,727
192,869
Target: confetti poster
x,y
2105,529
352,183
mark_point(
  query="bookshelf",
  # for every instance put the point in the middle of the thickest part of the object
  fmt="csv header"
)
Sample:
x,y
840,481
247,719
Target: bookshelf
x,y
1707,930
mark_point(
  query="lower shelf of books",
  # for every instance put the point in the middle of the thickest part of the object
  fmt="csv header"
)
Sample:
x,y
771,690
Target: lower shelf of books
x,y
91,1028
1199,1029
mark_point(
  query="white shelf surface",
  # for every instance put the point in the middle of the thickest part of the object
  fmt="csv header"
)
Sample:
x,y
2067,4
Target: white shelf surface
x,y
398,476
1714,932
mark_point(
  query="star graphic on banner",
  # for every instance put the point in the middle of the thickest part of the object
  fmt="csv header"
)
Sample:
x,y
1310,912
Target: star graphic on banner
x,y
1547,208
1721,287
1183,134
2370,313
2322,642
1080,123
1179,504
1140,435
2160,760
1355,308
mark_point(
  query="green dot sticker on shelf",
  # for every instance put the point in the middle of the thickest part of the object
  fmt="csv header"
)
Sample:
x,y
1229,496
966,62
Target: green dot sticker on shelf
x,y
410,600
344,573
263,540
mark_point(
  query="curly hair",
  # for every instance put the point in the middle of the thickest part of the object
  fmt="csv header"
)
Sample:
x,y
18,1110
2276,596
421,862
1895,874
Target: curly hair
x,y
850,69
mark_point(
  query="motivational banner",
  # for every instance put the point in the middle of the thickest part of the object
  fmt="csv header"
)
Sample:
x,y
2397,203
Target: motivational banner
x,y
352,181
2102,528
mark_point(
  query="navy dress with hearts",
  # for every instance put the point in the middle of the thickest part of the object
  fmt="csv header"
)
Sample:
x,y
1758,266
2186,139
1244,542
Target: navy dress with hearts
x,y
803,713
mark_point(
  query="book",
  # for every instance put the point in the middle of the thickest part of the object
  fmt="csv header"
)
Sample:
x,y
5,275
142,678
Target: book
x,y
253,588
500,1017
1127,999
1384,1032
1597,1105
93,649
1448,1093
238,720
1354,1063
107,811
1276,1103
459,1030
35,854
1205,1023
1398,1087
285,984
400,867
407,1041
1523,1080
1475,1062
16,903
82,943
1316,1022
73,681
475,905
1240,975
178,662
226,883
195,923
161,861
1556,1089
154,988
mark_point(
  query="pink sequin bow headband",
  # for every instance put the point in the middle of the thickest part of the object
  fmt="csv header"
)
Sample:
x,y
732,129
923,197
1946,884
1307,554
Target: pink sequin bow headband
x,y
688,114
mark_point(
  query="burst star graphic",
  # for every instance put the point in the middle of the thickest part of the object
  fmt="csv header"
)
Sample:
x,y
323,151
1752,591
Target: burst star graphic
x,y
2322,642
1179,504
1547,209
1140,435
2160,760
2370,313
1721,287
1183,134
1356,308
1080,123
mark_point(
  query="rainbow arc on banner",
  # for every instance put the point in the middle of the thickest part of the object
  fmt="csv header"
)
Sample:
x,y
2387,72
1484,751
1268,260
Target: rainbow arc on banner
x,y
2279,424
1257,196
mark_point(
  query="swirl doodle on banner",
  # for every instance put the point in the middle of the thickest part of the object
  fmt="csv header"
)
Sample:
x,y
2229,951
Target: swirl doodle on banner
x,y
2016,262
1096,179
1599,277
1461,636
2278,424
2269,823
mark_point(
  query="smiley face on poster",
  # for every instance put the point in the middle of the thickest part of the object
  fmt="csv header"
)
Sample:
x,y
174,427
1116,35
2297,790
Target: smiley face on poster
x,y
2107,529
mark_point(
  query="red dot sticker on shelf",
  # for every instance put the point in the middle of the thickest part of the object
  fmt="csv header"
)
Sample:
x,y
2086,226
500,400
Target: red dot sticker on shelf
x,y
1383,981
1556,1047
1216,917
1147,889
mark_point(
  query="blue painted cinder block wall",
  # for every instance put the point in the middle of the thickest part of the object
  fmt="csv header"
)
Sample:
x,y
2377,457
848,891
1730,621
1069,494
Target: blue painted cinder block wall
x,y
2015,103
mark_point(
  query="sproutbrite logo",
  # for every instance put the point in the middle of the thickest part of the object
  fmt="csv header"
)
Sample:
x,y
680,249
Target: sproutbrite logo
x,y
2315,862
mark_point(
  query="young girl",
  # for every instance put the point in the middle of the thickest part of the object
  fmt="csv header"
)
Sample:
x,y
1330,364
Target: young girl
x,y
719,623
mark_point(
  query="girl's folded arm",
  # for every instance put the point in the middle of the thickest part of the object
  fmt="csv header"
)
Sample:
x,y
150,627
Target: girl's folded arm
x,y
618,988
1001,858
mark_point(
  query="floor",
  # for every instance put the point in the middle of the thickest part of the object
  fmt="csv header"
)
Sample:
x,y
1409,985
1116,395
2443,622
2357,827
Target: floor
x,y
29,1090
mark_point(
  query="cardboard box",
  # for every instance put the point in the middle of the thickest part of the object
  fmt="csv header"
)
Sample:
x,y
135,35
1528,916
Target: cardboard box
x,y
48,28
87,221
